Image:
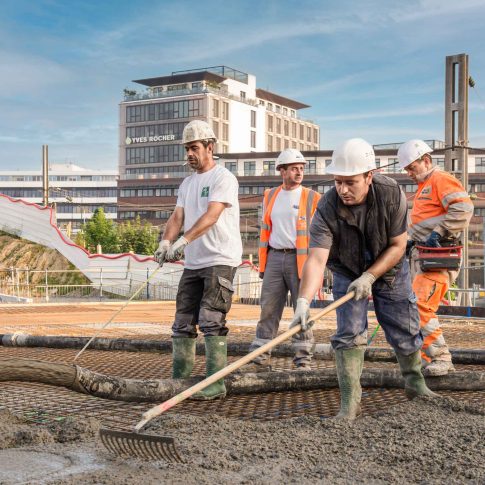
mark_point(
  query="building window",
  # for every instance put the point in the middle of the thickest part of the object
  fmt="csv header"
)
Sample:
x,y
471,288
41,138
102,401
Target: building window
x,y
293,130
269,167
270,106
249,168
155,154
293,114
440,162
302,132
286,125
232,167
225,111
270,143
243,94
215,108
164,111
261,102
270,123
253,119
225,132
277,108
215,127
315,136
311,167
127,193
177,87
197,85
393,166
286,144
278,126
253,139
308,134
151,112
175,129
278,144
479,164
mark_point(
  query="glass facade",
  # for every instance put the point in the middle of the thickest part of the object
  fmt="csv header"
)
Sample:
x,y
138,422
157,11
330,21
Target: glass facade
x,y
175,129
155,154
164,111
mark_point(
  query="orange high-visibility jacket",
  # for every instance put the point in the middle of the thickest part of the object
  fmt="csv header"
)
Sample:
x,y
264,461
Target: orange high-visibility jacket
x,y
306,208
442,205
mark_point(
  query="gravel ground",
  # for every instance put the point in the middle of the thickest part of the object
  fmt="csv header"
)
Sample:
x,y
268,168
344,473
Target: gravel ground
x,y
420,442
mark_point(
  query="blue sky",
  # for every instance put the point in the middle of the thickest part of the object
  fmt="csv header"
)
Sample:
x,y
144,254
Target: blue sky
x,y
373,69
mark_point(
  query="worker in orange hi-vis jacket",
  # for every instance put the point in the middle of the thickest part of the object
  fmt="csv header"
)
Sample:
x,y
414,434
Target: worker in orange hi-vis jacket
x,y
442,209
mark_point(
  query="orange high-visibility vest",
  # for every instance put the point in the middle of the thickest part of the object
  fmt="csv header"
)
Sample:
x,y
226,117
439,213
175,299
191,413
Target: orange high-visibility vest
x,y
306,208
441,204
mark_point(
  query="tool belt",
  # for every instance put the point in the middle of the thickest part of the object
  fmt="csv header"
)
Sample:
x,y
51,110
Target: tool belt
x,y
285,250
438,259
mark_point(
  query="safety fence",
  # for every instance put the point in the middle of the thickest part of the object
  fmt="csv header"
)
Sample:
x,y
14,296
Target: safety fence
x,y
25,285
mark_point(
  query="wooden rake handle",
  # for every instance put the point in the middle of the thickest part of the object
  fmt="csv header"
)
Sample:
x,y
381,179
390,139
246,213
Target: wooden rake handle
x,y
165,406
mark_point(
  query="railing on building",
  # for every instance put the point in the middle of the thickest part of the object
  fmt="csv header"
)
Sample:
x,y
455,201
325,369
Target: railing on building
x,y
219,91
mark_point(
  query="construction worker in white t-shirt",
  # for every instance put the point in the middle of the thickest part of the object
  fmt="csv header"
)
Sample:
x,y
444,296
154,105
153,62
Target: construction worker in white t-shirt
x,y
283,249
208,210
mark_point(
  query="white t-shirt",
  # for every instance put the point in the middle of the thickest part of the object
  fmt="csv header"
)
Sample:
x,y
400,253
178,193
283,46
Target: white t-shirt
x,y
284,217
221,244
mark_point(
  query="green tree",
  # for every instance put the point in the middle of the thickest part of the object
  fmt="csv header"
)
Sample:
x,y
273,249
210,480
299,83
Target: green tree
x,y
100,230
141,238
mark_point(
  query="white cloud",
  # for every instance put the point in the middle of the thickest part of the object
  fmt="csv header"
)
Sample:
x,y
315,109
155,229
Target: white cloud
x,y
25,74
391,113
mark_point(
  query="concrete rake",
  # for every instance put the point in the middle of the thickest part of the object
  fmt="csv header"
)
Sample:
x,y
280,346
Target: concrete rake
x,y
152,447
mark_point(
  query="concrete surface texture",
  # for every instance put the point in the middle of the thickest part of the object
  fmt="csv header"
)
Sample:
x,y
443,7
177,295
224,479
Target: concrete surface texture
x,y
423,441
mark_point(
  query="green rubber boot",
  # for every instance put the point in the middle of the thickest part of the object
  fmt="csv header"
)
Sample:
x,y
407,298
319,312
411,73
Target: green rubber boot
x,y
215,360
183,357
411,371
349,368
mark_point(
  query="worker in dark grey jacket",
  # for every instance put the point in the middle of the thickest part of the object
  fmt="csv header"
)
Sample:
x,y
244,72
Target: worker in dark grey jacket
x,y
359,229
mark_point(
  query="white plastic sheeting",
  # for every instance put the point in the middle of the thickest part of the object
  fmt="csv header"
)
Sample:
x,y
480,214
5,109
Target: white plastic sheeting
x,y
117,273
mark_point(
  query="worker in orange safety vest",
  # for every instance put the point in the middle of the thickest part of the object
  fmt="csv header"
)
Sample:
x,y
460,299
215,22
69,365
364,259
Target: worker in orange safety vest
x,y
283,250
442,209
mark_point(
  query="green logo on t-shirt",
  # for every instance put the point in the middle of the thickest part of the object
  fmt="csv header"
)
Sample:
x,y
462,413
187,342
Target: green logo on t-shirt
x,y
205,192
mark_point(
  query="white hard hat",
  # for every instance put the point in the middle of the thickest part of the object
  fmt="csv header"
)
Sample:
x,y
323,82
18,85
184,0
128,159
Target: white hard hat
x,y
289,156
411,151
198,130
352,157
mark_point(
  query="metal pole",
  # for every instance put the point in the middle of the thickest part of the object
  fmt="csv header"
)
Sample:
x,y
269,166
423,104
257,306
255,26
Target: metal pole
x,y
28,282
45,175
46,286
456,138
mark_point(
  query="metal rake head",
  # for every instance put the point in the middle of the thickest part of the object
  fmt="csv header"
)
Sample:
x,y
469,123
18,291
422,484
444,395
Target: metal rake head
x,y
139,445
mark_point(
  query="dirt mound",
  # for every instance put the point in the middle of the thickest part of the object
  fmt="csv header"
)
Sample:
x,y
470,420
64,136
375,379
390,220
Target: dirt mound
x,y
16,432
21,254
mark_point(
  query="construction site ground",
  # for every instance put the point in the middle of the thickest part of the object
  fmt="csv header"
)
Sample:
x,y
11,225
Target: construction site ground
x,y
263,438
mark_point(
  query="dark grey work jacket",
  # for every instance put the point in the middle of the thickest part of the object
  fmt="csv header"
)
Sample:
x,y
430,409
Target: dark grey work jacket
x,y
348,252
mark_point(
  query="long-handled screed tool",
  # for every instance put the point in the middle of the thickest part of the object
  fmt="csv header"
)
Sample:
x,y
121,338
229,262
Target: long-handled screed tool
x,y
148,446
117,312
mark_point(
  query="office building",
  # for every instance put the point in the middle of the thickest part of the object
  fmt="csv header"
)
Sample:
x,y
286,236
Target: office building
x,y
76,191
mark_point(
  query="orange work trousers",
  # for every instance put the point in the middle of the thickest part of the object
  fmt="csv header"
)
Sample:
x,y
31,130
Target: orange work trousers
x,y
430,288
